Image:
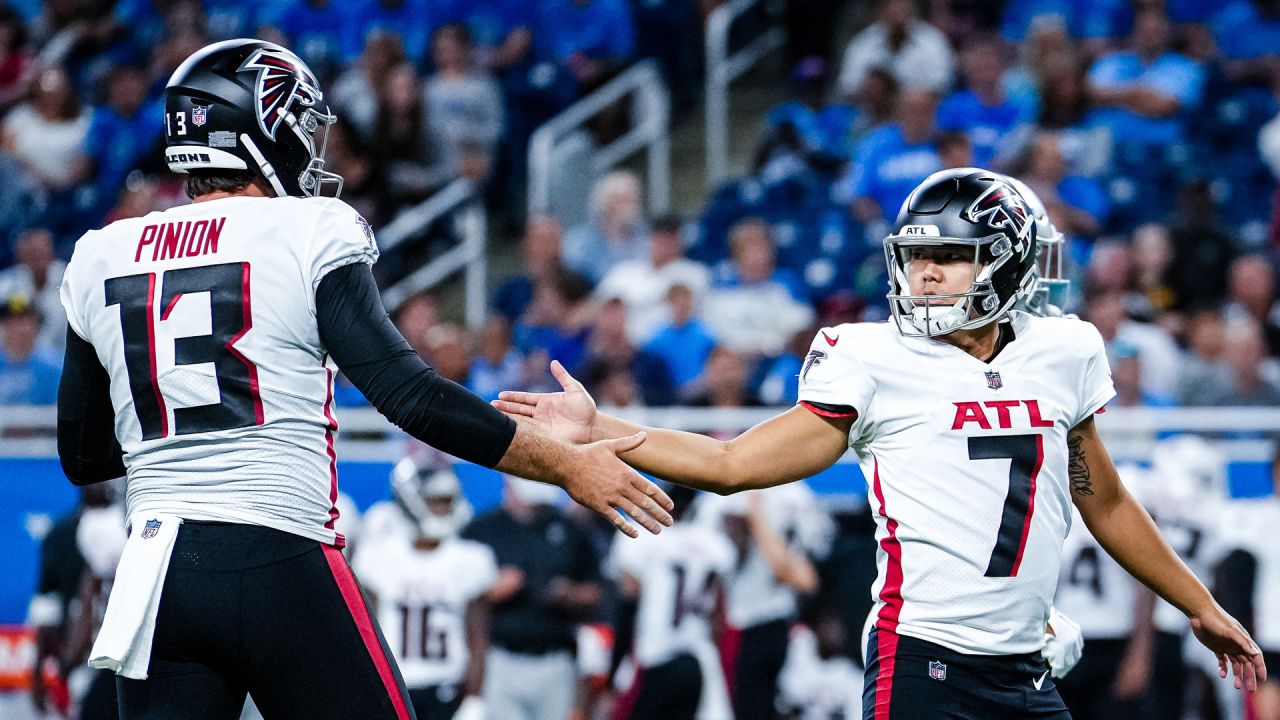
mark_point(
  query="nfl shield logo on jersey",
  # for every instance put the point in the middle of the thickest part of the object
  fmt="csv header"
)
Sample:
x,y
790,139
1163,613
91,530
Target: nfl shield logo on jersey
x,y
993,380
937,670
199,115
151,529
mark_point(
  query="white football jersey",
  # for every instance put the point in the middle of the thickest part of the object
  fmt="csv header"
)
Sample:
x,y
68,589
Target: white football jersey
x,y
811,688
966,463
680,573
204,316
1250,525
1093,589
755,596
422,598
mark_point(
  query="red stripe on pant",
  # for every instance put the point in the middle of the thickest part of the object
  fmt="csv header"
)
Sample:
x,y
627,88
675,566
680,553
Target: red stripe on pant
x,y
364,623
886,651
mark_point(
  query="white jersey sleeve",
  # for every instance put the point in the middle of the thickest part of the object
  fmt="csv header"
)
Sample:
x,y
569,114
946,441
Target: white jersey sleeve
x,y
342,237
1097,388
833,380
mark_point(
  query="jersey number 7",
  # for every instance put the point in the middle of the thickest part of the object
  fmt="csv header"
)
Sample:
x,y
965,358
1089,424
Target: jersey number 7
x,y
1026,455
239,403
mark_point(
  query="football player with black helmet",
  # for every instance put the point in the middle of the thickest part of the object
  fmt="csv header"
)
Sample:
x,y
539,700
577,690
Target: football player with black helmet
x,y
201,351
974,426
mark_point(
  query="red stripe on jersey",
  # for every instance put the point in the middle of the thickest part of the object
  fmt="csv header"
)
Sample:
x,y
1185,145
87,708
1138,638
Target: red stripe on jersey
x,y
826,413
364,623
887,656
330,428
1031,505
891,593
151,352
247,313
622,711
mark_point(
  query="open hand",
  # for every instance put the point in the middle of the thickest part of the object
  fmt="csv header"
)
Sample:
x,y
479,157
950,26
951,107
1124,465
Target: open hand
x,y
600,481
1222,634
567,415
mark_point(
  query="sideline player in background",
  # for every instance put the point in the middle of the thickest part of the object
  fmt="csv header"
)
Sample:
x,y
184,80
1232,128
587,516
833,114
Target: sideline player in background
x,y
201,351
674,583
428,587
975,427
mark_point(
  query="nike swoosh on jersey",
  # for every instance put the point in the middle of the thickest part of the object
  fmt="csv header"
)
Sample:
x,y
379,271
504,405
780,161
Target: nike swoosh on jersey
x,y
830,340
1039,682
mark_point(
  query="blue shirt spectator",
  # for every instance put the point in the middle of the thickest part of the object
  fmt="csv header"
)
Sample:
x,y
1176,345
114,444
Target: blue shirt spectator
x,y
1245,32
1021,16
496,366
594,29
822,129
123,131
490,22
982,111
616,231
319,30
684,343
1144,94
891,161
28,374
412,20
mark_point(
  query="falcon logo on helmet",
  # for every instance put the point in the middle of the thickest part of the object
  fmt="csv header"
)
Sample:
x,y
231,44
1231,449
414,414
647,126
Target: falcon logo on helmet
x,y
1002,209
280,83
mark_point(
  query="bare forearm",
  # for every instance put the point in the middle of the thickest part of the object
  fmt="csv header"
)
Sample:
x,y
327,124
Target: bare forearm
x,y
788,566
1127,533
536,457
684,458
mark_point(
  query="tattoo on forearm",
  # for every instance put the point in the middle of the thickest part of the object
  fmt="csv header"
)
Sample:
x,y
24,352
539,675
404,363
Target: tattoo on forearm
x,y
1077,466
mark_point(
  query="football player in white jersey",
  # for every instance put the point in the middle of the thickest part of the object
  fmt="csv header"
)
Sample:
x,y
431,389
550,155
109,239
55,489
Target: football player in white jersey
x,y
676,581
820,681
974,425
1116,618
202,346
428,586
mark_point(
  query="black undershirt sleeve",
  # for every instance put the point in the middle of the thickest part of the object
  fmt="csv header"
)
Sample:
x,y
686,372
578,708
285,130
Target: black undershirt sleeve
x,y
376,358
87,446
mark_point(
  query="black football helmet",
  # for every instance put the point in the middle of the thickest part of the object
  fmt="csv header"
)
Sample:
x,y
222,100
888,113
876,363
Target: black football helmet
x,y
978,210
249,105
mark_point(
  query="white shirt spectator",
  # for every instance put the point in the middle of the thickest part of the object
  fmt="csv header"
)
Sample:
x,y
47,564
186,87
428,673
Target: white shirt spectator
x,y
50,148
924,61
642,287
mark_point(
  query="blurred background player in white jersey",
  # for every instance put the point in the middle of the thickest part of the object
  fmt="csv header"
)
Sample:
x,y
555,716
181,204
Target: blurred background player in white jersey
x,y
429,588
820,680
672,588
202,345
1116,618
971,515
777,534
1251,569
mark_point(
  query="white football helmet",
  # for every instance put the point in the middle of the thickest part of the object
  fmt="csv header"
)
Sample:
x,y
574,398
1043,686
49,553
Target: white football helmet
x,y
416,488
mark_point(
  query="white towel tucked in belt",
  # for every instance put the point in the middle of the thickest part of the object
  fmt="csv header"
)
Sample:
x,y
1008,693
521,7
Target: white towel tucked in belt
x,y
124,642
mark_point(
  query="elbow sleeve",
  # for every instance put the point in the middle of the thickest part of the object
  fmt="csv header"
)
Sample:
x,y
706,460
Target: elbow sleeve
x,y
368,348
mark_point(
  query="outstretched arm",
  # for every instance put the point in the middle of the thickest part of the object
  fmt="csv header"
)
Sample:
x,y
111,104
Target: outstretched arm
x,y
1127,533
788,447
366,346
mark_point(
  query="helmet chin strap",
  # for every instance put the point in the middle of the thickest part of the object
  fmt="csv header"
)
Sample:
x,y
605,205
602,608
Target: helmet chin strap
x,y
264,167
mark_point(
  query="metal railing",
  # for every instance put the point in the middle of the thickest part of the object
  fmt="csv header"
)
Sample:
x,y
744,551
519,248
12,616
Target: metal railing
x,y
462,203
723,68
1130,433
650,128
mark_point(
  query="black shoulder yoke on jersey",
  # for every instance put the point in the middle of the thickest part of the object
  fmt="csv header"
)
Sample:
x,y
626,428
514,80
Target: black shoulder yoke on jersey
x,y
356,331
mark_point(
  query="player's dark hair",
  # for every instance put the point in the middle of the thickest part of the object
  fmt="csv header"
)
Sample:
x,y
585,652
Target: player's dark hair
x,y
202,183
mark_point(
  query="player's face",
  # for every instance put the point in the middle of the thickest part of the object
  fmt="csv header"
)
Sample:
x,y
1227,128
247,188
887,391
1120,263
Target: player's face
x,y
940,270
440,505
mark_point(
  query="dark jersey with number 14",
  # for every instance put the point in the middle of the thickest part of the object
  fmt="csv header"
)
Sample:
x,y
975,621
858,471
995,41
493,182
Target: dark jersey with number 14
x,y
204,317
967,467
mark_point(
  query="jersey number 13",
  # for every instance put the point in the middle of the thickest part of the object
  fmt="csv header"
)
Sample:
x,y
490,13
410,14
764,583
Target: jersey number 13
x,y
239,403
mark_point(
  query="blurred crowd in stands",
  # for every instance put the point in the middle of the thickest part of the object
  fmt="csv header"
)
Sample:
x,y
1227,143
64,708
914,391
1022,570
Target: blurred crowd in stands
x,y
1150,129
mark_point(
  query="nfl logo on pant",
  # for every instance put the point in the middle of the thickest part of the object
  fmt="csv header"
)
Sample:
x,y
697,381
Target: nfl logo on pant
x,y
937,670
152,528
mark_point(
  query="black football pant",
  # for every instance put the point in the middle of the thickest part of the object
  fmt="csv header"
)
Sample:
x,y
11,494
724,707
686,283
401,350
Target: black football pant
x,y
1087,688
756,666
911,679
248,609
670,691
